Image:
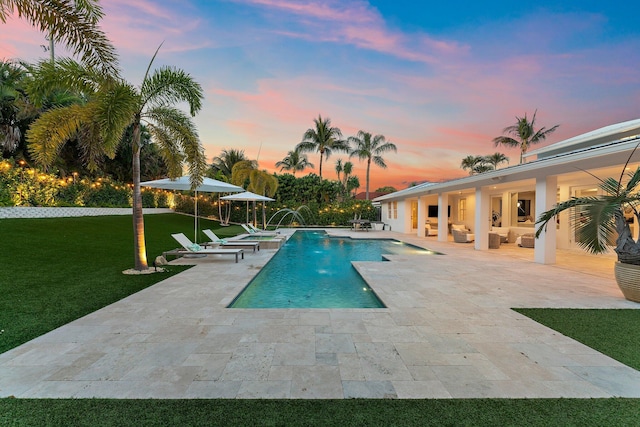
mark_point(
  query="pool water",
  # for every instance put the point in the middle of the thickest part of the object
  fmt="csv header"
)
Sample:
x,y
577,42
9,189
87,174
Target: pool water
x,y
313,270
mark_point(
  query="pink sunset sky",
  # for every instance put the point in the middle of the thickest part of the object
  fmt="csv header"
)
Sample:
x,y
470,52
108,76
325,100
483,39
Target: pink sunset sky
x,y
439,81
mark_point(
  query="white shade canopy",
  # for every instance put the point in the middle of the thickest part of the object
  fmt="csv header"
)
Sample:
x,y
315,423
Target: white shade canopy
x,y
184,183
248,196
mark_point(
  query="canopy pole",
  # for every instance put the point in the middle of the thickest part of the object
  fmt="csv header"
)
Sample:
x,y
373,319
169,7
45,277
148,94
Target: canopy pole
x,y
195,221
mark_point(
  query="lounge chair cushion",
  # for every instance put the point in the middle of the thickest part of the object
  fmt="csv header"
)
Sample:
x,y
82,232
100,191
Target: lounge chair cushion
x,y
459,227
195,247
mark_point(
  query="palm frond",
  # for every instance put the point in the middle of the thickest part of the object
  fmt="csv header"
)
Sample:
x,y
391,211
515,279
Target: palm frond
x,y
71,22
66,75
593,220
505,140
90,142
634,180
179,127
610,186
594,225
378,160
169,149
168,85
51,131
117,106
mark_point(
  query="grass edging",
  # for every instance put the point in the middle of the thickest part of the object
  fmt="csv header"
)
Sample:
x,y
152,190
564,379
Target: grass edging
x,y
353,412
614,332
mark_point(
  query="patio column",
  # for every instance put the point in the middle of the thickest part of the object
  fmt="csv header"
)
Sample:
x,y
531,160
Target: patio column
x,y
544,251
482,219
422,216
564,234
443,217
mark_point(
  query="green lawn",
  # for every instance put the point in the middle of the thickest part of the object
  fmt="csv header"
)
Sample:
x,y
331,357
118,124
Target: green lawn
x,y
56,270
341,413
612,332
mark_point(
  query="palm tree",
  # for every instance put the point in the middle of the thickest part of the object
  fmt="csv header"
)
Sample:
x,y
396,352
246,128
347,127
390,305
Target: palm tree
x,y
339,169
260,182
495,159
71,22
347,169
474,164
225,161
11,96
352,183
371,149
112,106
294,161
524,133
324,139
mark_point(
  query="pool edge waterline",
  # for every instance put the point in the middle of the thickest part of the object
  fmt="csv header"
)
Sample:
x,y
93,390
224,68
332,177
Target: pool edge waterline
x,y
284,281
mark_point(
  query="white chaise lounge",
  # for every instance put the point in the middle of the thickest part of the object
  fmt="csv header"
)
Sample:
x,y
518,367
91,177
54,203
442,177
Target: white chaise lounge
x,y
229,243
190,248
257,232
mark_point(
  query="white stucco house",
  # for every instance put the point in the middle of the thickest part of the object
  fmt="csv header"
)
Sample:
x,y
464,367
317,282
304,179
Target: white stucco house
x,y
512,197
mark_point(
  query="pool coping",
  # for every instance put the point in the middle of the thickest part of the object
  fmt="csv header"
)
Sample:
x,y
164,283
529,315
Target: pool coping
x,y
448,332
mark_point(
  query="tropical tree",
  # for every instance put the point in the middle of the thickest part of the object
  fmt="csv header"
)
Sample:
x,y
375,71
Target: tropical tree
x,y
347,179
323,139
260,182
474,164
294,161
386,189
11,97
339,168
370,149
112,106
74,23
352,184
524,134
225,161
495,159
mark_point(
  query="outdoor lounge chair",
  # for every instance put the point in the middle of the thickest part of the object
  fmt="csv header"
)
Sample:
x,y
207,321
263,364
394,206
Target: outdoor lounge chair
x,y
462,236
191,248
229,243
526,240
257,232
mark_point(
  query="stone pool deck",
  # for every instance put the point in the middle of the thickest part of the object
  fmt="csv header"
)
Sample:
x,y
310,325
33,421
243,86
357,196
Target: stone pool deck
x,y
448,332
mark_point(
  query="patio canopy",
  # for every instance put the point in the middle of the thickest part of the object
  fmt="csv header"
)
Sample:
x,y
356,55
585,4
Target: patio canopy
x,y
248,196
183,183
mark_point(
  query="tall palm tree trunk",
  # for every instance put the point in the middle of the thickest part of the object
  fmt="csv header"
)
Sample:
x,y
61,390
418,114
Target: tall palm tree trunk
x,y
368,167
139,247
321,155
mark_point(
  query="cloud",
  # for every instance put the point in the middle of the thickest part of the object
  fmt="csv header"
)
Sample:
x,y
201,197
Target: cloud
x,y
353,23
139,26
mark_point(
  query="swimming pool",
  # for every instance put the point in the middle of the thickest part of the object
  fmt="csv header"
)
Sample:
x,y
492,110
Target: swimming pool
x,y
313,270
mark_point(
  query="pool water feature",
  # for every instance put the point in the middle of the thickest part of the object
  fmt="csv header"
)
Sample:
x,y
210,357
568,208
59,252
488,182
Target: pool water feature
x,y
313,270
266,242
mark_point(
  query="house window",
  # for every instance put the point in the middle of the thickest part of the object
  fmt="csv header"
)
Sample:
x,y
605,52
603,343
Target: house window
x,y
389,210
462,210
395,210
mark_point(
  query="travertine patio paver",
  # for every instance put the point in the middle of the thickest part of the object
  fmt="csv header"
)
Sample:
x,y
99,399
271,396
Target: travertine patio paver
x,y
448,331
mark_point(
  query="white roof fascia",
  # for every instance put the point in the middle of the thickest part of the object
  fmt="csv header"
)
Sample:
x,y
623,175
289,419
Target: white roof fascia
x,y
608,155
607,134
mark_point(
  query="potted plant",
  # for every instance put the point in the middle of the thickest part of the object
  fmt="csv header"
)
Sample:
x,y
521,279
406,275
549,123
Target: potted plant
x,y
603,221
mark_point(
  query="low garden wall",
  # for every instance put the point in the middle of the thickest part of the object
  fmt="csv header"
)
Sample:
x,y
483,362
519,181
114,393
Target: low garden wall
x,y
46,212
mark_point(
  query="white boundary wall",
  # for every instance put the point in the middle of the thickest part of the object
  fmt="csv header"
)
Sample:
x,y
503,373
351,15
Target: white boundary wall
x,y
35,212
